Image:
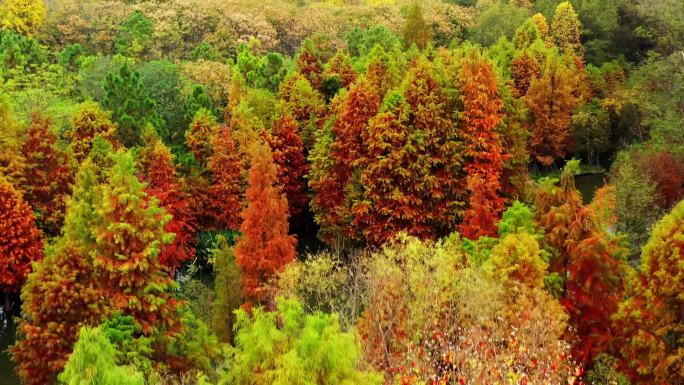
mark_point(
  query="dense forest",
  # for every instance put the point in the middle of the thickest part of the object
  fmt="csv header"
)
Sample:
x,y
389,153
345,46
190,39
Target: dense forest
x,y
233,192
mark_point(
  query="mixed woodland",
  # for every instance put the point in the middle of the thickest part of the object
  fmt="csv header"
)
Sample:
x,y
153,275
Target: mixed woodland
x,y
347,192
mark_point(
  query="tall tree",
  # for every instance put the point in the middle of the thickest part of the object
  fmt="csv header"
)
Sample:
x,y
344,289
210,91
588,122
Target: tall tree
x,y
415,30
306,105
310,64
329,204
94,361
132,108
288,154
227,289
47,334
651,318
158,171
566,29
20,241
12,162
484,155
590,261
48,174
265,247
227,184
551,99
87,123
23,16
198,136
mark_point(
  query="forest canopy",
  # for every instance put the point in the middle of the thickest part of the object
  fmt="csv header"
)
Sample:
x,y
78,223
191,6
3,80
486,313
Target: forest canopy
x,y
403,192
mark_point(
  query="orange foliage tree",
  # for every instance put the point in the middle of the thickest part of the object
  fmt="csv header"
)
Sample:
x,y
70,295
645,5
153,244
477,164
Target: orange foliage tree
x,y
651,318
589,259
551,99
158,171
265,246
48,174
227,184
309,64
341,65
288,154
482,113
20,241
330,204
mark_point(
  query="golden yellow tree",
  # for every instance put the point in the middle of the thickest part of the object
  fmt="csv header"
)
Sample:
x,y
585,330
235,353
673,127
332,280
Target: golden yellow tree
x,y
23,16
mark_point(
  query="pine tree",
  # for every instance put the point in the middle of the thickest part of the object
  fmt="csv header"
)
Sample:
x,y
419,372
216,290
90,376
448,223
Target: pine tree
x,y
87,123
94,361
227,184
329,204
650,318
288,154
158,171
265,247
482,114
132,108
227,289
20,241
48,174
23,16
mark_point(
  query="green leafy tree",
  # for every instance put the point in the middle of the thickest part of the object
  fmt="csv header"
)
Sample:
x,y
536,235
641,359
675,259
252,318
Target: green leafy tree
x,y
134,35
415,30
289,347
94,362
161,80
132,108
227,288
501,19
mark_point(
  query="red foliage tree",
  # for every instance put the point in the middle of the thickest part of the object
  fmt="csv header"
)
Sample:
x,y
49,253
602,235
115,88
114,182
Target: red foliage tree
x,y
667,172
48,174
309,64
482,113
265,247
590,260
411,172
20,240
47,334
227,184
330,205
157,170
288,154
523,70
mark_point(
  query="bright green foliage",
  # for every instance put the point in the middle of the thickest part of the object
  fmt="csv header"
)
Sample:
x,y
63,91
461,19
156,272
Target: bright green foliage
x,y
133,35
265,71
605,372
526,34
19,53
361,41
132,107
501,19
228,289
517,218
94,362
23,16
415,29
70,57
289,347
132,348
